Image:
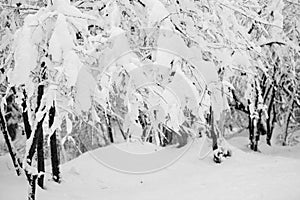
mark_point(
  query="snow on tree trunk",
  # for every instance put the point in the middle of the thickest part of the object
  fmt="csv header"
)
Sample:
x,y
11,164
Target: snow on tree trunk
x,y
31,172
32,188
39,132
31,146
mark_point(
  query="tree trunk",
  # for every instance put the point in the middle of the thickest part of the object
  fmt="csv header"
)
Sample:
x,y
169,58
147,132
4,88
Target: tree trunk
x,y
27,126
269,121
53,148
290,110
121,130
213,132
40,153
251,128
109,128
40,139
32,184
251,133
285,142
33,146
273,123
31,178
29,174
7,139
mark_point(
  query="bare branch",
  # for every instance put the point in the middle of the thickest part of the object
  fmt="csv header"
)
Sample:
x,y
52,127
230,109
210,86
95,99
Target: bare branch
x,y
292,2
249,16
22,7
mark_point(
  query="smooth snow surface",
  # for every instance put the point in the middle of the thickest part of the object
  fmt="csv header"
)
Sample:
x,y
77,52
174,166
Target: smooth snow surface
x,y
246,175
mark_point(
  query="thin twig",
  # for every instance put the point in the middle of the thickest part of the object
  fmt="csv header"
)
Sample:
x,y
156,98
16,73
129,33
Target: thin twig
x,y
22,7
292,2
247,15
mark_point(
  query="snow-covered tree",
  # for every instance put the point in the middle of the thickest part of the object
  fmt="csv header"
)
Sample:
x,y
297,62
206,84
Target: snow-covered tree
x,y
102,65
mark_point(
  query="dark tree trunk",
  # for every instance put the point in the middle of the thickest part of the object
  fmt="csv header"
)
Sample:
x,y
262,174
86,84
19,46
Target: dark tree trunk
x,y
287,128
273,123
7,139
251,127
253,137
32,184
109,129
238,104
53,148
259,130
270,122
27,126
33,177
251,132
271,108
121,130
213,132
10,116
40,153
256,119
168,135
40,140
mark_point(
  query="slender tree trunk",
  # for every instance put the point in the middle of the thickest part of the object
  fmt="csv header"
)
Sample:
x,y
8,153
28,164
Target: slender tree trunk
x,y
31,177
213,132
7,139
40,153
273,122
32,189
251,122
33,134
256,135
290,110
121,130
269,120
251,128
109,129
53,148
40,140
27,126
251,133
285,142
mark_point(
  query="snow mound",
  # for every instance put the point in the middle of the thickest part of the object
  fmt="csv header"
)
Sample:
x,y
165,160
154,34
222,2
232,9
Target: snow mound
x,y
246,175
138,147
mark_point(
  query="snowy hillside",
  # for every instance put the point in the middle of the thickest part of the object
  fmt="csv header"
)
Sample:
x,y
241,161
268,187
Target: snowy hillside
x,y
246,175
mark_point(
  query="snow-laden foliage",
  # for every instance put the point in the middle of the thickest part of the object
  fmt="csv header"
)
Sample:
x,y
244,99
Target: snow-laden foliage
x,y
237,37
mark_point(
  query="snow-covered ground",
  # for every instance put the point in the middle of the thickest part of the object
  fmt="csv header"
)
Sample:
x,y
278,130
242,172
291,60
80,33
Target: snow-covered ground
x,y
273,174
